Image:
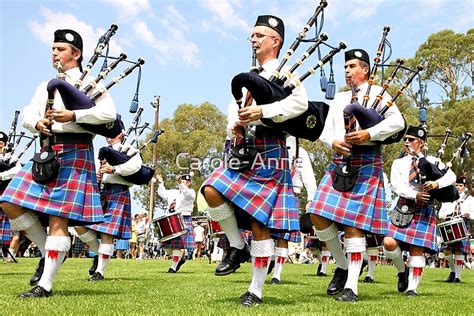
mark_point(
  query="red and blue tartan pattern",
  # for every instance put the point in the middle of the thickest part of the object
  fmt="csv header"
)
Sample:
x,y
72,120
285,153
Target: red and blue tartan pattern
x,y
117,216
313,243
265,191
364,207
183,242
4,227
122,244
421,232
294,236
464,245
73,194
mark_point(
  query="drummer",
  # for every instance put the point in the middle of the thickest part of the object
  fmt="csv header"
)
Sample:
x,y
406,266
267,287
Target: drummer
x,y
180,200
419,234
464,208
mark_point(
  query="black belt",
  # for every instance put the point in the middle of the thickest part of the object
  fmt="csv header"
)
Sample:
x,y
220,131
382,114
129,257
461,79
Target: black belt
x,y
116,186
377,149
72,138
265,132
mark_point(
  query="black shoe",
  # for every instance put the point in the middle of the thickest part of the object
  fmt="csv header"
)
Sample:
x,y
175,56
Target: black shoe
x,y
232,260
35,292
249,299
411,293
180,263
321,274
368,280
271,266
347,296
451,277
275,281
403,280
97,277
38,273
364,264
170,270
457,280
94,265
338,281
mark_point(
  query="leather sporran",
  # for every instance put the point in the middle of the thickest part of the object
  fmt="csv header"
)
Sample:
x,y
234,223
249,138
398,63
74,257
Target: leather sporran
x,y
344,178
45,166
241,158
402,214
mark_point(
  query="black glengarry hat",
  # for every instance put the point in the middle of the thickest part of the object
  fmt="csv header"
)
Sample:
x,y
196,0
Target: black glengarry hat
x,y
68,36
461,180
272,22
357,54
417,132
3,137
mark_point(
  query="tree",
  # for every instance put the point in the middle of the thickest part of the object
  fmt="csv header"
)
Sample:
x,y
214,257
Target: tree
x,y
447,57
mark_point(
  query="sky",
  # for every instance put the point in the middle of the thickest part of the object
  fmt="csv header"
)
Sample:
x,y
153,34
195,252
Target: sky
x,y
193,48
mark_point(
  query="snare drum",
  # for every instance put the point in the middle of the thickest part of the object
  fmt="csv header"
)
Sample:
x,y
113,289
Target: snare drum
x,y
169,226
215,229
373,240
453,230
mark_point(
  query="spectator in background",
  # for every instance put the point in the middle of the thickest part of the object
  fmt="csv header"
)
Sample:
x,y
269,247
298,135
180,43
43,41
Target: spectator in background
x,y
198,239
134,239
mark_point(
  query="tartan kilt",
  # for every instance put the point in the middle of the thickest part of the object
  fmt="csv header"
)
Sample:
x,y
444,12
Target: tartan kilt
x,y
78,246
183,242
265,191
4,227
117,216
122,244
73,194
294,236
422,230
464,245
364,207
313,243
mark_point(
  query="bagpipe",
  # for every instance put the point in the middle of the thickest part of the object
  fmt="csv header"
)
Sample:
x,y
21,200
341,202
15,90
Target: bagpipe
x,y
432,172
76,99
308,125
121,155
370,116
10,159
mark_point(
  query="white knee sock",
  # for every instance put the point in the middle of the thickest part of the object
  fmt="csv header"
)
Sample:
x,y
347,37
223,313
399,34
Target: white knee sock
x,y
224,215
280,257
416,264
396,257
450,259
329,236
458,260
30,223
261,251
90,238
355,248
56,249
105,252
372,254
325,255
176,255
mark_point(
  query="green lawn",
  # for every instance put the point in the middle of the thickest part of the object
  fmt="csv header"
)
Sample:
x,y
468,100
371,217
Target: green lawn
x,y
144,287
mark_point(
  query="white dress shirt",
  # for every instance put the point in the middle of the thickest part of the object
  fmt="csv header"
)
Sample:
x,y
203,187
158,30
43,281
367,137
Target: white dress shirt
x,y
303,171
334,126
279,111
465,202
184,197
103,111
399,177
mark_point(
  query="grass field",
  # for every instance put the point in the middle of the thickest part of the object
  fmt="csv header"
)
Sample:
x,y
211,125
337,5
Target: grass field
x,y
144,287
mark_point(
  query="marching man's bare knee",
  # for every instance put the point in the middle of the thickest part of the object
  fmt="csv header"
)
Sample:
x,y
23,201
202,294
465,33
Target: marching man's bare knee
x,y
12,210
212,196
